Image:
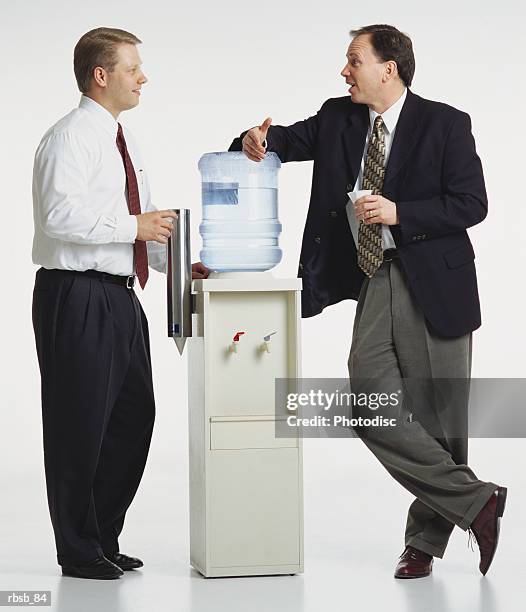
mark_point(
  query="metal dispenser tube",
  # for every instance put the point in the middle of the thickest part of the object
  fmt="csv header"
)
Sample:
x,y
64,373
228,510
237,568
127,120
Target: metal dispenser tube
x,y
179,280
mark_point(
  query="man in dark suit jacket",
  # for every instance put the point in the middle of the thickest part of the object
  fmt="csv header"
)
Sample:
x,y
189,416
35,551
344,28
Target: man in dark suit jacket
x,y
413,276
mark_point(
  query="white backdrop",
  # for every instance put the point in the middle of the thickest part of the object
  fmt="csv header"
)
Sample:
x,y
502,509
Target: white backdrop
x,y
214,69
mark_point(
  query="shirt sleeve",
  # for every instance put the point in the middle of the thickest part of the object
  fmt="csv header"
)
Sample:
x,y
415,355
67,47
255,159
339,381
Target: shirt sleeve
x,y
60,190
157,252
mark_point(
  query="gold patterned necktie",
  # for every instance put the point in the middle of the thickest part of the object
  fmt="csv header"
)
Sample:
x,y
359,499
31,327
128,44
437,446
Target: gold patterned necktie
x,y
370,253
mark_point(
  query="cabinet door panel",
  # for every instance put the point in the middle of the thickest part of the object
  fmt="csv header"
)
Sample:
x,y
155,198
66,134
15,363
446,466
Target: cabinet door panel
x,y
254,507
243,382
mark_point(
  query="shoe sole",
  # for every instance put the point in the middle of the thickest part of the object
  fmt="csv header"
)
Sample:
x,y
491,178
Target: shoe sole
x,y
412,577
502,493
501,500
73,575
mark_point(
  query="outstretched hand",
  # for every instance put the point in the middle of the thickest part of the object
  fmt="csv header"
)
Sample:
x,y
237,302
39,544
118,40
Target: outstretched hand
x,y
253,141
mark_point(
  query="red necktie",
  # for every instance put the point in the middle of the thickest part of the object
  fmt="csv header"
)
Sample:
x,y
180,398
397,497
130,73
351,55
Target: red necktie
x,y
140,252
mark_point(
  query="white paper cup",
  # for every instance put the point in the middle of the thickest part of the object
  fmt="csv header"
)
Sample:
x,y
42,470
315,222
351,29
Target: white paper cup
x,y
356,195
351,214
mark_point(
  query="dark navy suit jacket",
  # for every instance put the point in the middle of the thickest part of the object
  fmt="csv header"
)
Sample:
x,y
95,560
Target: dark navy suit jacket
x,y
434,176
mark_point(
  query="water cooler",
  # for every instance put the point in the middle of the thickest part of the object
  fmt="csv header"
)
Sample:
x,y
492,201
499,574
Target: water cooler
x,y
242,327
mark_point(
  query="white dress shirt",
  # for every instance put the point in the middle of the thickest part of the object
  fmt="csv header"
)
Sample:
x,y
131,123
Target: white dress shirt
x,y
81,216
390,119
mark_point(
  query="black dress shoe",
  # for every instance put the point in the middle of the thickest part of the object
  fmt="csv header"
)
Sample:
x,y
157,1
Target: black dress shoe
x,y
124,562
98,569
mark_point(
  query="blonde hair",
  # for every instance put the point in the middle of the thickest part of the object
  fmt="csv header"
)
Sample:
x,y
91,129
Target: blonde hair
x,y
98,47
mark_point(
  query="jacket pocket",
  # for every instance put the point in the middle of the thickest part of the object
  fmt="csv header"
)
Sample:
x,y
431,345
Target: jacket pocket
x,y
459,255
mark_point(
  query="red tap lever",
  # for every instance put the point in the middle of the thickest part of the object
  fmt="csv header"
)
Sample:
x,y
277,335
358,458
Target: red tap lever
x,y
236,337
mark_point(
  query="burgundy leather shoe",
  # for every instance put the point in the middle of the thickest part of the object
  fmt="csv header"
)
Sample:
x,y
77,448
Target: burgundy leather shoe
x,y
414,563
486,527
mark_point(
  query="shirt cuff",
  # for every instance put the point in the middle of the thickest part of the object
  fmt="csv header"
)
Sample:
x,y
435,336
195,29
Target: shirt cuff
x,y
126,229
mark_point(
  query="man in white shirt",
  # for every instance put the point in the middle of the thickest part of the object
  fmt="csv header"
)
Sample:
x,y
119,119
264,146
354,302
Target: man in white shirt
x,y
96,231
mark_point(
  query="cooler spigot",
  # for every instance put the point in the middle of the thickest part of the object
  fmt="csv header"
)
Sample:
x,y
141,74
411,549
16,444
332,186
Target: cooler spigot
x,y
235,341
265,347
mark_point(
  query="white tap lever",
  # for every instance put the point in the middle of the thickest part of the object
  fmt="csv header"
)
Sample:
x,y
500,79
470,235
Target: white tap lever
x,y
265,347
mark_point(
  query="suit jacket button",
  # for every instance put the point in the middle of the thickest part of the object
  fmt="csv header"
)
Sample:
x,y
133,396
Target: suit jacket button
x,y
317,239
415,237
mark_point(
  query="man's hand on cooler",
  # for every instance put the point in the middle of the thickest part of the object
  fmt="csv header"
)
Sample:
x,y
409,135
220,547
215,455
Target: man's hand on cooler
x,y
156,225
376,209
199,270
253,141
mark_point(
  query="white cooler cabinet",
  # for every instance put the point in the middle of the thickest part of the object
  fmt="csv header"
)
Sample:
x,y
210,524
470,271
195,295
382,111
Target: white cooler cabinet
x,y
246,489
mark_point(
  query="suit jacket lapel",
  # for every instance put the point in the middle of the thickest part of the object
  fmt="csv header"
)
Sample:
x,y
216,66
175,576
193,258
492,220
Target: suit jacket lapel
x,y
353,137
405,138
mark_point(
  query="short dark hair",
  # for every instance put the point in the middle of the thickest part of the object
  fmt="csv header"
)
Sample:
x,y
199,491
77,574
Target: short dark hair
x,y
390,44
98,48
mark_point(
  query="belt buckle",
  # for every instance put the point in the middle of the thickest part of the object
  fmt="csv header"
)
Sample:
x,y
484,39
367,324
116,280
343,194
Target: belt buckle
x,y
130,281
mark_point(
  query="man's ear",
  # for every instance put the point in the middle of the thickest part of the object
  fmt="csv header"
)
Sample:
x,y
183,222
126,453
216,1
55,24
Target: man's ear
x,y
100,76
390,71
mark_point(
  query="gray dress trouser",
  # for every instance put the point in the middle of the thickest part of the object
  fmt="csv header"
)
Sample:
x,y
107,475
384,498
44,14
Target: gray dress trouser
x,y
427,451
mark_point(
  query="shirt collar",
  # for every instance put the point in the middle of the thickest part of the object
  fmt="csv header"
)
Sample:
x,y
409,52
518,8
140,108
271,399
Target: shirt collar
x,y
103,116
391,115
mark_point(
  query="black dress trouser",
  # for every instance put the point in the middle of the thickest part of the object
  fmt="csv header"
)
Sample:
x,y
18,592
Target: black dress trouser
x,y
98,407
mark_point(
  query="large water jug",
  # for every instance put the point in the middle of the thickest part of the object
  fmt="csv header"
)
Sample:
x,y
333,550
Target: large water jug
x,y
240,226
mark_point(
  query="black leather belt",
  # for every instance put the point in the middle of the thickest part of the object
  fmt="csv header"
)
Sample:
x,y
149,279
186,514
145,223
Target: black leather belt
x,y
125,281
390,254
